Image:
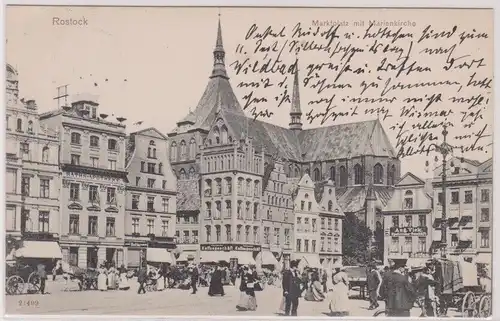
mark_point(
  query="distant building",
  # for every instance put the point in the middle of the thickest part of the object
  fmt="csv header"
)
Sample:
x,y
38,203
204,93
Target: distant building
x,y
408,222
469,202
32,176
150,196
92,159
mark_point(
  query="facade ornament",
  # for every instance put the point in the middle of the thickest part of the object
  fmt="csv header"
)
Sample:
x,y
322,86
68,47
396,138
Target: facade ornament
x,y
66,183
85,186
103,187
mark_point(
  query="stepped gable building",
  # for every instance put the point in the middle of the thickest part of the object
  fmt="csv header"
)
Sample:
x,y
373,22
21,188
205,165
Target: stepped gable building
x,y
32,177
233,157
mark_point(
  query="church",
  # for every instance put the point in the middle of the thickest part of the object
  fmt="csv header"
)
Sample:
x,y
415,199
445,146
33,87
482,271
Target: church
x,y
238,179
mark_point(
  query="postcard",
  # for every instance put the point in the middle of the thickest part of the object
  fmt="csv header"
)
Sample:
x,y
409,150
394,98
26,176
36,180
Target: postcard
x,y
249,161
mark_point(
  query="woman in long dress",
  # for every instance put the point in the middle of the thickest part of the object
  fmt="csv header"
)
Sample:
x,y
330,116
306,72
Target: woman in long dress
x,y
123,279
315,290
101,279
248,301
339,297
112,277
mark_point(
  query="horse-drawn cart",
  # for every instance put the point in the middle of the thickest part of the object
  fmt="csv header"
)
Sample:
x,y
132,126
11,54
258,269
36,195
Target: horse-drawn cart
x,y
21,278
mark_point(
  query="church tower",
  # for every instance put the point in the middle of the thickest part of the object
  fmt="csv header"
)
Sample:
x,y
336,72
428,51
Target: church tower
x,y
219,69
295,112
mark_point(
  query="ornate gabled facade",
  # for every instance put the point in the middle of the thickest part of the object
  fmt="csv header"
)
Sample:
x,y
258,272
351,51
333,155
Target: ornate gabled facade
x,y
92,199
150,210
216,142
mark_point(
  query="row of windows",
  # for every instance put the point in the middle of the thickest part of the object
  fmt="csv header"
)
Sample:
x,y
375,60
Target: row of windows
x,y
187,219
76,139
94,161
25,152
92,225
394,246
223,162
150,183
241,187
183,175
150,226
468,198
44,191
408,221
219,212
312,226
185,152
94,195
277,201
26,223
19,125
150,203
359,177
329,248
248,233
151,169
188,237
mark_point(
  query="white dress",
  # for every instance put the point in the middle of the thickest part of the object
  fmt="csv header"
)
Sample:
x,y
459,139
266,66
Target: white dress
x,y
101,280
124,282
339,297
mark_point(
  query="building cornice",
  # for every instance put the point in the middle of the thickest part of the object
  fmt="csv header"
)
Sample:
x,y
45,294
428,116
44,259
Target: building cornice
x,y
133,188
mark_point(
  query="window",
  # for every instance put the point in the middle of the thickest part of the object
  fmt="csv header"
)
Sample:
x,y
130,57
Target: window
x,y
485,215
247,233
306,245
151,226
151,204
407,246
135,225
316,175
468,197
336,228
92,230
74,191
135,202
94,141
209,233
110,226
298,246
322,244
485,195
323,222
336,244
94,194
112,145
19,125
76,138
195,236
440,198
343,176
408,221
332,173
186,237
455,197
309,206
391,175
238,233
111,195
192,148
358,174
43,221
422,246
269,216
164,203
302,205
137,180
454,240
421,221
217,233
329,244
44,188
218,187
485,238
94,161
378,174
277,235
266,235
395,244
24,149
151,168
408,203
314,226
112,164
73,256
256,237
45,154
74,224
151,183
208,209
183,150
75,159
30,127
287,236
164,184
329,223
25,186
182,174
395,221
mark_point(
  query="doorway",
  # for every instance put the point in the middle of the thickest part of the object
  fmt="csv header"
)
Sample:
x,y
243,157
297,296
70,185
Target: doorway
x,y
92,257
111,255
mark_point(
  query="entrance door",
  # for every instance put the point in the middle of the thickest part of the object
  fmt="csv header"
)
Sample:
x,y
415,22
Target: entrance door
x,y
92,257
111,255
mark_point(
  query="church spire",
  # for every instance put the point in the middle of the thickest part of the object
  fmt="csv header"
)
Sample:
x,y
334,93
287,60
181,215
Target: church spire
x,y
295,111
219,69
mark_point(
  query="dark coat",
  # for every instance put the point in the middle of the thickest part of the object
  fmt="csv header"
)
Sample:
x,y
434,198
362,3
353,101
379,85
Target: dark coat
x,y
292,284
41,271
195,274
142,276
372,280
400,293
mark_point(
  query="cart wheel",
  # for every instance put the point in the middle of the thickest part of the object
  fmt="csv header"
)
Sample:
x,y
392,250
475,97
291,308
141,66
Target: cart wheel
x,y
33,282
468,305
484,306
14,285
93,284
380,313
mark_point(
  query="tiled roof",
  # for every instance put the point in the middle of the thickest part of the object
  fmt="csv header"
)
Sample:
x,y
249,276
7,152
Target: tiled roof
x,y
352,199
383,193
188,195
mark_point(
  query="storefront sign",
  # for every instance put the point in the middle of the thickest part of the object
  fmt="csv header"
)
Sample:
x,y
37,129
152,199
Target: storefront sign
x,y
229,247
93,177
415,230
136,244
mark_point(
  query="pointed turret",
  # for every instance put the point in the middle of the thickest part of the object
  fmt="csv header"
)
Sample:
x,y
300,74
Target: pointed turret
x,y
295,111
219,55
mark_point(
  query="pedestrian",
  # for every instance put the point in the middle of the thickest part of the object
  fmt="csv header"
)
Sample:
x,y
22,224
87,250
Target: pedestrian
x,y
216,287
291,285
315,290
248,301
141,278
324,279
373,280
399,292
123,278
195,276
102,278
339,297
42,274
111,277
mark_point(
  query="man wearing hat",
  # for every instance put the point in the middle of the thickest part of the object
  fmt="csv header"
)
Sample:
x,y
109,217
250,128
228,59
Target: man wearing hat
x,y
373,280
291,288
400,293
195,275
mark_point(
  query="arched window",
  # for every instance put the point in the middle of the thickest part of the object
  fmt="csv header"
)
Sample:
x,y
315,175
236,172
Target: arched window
x,y
217,135
30,127
224,134
149,152
408,203
307,171
228,233
358,174
192,148
45,154
173,151
330,206
76,138
332,173
182,174
343,176
183,150
378,174
209,232
217,233
19,125
191,173
391,172
208,209
316,175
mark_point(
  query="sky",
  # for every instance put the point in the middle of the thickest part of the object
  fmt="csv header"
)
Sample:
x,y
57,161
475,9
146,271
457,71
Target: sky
x,y
152,64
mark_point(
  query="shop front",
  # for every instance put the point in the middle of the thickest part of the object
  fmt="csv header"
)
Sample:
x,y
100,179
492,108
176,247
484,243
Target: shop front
x,y
232,254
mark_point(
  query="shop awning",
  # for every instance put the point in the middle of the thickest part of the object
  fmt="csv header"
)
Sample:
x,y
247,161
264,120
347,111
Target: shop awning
x,y
39,250
308,260
214,257
415,262
245,258
483,258
159,255
267,258
185,256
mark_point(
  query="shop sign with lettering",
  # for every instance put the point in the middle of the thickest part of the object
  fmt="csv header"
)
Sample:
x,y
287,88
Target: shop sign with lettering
x,y
93,177
414,230
229,247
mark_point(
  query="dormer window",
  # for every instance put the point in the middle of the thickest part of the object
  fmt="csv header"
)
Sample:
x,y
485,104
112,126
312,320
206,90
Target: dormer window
x,y
408,202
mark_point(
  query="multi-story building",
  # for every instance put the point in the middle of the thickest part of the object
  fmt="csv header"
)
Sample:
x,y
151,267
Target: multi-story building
x,y
150,210
408,222
188,226
92,200
468,208
236,149
32,171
